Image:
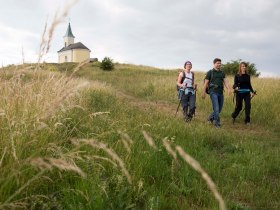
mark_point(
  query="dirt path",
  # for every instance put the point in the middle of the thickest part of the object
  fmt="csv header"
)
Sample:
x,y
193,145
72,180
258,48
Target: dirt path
x,y
145,105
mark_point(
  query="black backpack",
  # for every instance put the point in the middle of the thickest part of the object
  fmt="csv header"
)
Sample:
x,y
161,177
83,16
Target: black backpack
x,y
211,78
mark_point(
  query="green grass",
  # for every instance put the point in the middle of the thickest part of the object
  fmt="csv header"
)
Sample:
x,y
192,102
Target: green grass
x,y
242,161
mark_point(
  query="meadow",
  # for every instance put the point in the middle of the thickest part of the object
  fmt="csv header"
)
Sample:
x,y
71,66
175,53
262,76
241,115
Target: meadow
x,y
77,137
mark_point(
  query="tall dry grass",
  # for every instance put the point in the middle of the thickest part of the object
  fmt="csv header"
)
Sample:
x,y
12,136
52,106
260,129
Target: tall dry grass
x,y
29,102
48,33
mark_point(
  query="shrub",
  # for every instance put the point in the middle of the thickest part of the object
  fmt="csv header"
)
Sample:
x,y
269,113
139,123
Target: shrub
x,y
231,68
107,64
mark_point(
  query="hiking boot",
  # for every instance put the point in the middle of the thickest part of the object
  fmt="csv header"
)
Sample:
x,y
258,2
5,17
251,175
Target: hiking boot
x,y
247,123
218,126
210,122
188,118
233,120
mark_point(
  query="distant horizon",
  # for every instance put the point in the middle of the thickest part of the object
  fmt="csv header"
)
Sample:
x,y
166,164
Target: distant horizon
x,y
262,74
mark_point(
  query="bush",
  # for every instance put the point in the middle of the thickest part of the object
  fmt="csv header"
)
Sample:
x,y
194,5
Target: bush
x,y
107,64
231,68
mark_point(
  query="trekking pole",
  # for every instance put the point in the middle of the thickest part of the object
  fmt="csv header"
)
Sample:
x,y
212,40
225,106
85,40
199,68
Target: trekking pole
x,y
179,103
195,89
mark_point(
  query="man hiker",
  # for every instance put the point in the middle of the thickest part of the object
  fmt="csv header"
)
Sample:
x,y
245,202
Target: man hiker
x,y
185,84
215,80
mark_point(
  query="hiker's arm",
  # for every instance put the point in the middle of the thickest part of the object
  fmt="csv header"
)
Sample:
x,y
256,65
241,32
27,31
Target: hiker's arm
x,y
251,88
204,88
227,85
181,85
235,86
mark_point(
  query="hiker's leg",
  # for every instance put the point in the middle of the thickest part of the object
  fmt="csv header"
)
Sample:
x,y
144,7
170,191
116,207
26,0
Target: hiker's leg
x,y
211,117
238,106
247,99
221,103
188,104
184,104
192,105
216,109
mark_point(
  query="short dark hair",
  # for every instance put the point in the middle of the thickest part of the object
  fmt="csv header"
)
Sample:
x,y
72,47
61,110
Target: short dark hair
x,y
216,60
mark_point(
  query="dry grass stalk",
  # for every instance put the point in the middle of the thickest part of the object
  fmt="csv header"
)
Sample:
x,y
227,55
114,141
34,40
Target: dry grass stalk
x,y
3,155
126,140
58,18
173,153
65,166
22,54
14,149
42,46
41,163
14,205
168,148
126,145
106,159
81,64
49,163
126,137
99,145
97,114
2,112
149,140
195,165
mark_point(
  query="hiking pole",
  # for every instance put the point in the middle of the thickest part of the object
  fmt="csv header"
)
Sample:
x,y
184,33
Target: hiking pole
x,y
179,103
195,89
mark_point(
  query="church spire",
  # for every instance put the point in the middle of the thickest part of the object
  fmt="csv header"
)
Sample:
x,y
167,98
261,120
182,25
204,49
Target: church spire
x,y
68,37
69,32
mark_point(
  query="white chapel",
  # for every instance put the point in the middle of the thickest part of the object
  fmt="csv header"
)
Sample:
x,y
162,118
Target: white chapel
x,y
72,52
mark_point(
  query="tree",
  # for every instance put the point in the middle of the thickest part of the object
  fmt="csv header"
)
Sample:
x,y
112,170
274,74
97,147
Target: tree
x,y
231,68
107,64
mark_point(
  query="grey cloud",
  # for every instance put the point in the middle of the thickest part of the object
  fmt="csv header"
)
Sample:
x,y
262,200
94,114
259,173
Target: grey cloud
x,y
163,33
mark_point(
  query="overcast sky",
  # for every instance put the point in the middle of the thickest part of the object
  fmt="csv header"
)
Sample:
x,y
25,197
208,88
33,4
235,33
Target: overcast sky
x,y
157,33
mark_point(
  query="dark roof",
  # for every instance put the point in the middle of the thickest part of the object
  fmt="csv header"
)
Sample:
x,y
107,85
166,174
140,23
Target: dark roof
x,y
69,32
77,45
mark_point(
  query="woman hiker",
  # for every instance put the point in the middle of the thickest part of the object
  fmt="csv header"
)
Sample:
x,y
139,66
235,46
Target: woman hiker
x,y
243,89
185,83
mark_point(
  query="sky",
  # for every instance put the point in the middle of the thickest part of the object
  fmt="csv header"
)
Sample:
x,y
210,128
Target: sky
x,y
157,33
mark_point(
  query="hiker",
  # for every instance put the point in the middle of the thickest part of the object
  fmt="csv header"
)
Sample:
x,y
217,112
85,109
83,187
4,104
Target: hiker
x,y
242,89
215,80
185,83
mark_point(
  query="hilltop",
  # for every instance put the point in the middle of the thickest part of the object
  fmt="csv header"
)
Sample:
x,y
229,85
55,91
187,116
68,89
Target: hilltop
x,y
82,138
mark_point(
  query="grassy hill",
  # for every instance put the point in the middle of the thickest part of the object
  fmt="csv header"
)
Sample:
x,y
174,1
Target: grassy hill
x,y
82,138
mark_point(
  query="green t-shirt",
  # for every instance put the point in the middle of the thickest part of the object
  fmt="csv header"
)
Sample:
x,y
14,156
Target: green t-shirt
x,y
216,84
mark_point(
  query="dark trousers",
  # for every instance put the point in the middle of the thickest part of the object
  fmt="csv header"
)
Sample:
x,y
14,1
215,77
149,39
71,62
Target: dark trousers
x,y
239,100
188,104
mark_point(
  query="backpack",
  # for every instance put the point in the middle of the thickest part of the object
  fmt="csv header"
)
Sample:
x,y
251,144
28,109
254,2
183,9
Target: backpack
x,y
183,78
211,78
